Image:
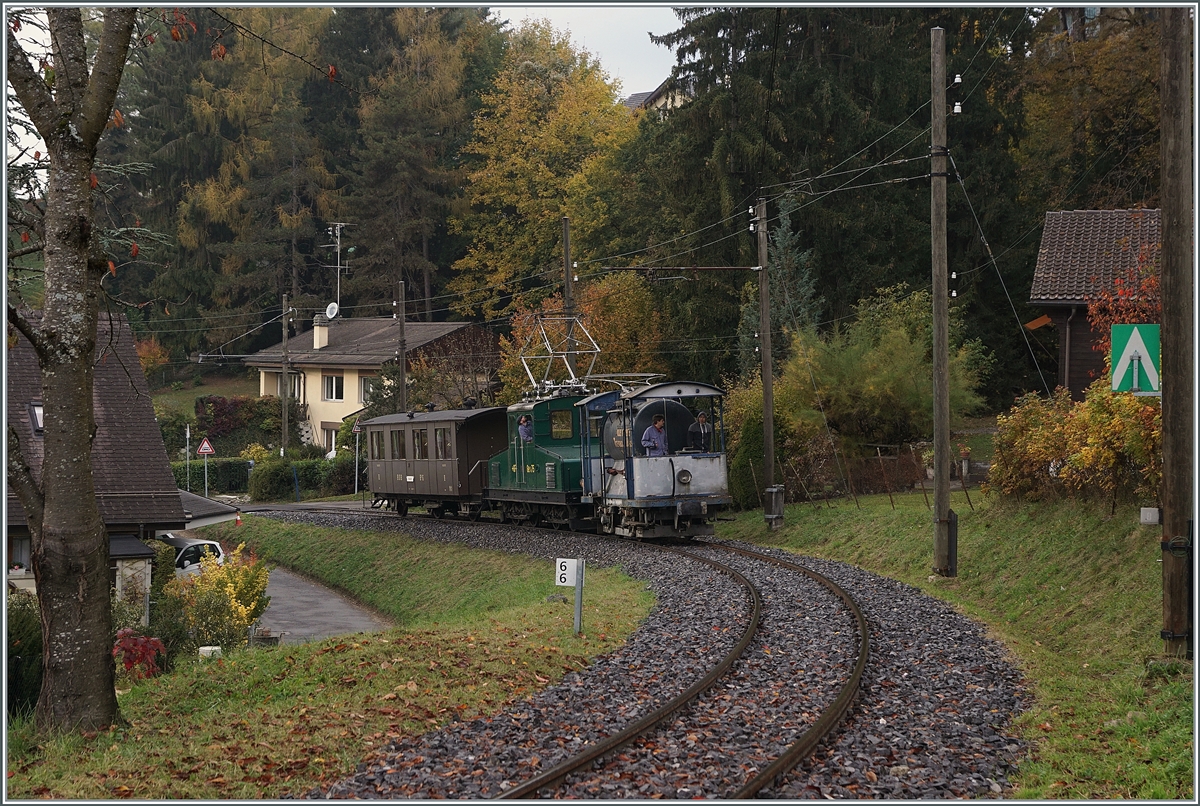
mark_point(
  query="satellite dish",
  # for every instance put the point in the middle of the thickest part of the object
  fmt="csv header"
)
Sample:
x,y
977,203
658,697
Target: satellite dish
x,y
331,310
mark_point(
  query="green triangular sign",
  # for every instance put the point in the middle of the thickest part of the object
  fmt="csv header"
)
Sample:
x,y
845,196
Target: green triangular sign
x,y
1136,359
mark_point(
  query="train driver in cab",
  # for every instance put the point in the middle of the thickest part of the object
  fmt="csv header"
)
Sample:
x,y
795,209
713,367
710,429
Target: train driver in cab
x,y
525,427
654,440
700,434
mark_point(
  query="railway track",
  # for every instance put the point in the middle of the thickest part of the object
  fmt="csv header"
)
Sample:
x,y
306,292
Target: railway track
x,y
584,773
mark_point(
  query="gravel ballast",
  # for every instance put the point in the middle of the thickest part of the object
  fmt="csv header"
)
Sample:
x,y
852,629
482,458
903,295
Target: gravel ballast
x,y
929,721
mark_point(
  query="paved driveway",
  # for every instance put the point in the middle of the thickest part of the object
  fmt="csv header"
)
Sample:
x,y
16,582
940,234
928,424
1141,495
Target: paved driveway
x,y
305,611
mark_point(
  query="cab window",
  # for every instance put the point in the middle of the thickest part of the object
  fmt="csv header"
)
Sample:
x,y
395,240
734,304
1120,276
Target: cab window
x,y
561,424
441,442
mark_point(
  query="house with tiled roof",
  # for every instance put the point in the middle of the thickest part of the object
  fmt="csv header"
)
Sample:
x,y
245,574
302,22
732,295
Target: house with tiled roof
x,y
333,367
135,489
664,97
1082,253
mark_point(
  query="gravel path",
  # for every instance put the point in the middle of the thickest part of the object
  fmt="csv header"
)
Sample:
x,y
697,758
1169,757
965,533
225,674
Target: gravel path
x,y
928,722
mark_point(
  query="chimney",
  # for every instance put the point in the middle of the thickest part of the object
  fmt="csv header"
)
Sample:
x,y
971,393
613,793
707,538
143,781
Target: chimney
x,y
320,331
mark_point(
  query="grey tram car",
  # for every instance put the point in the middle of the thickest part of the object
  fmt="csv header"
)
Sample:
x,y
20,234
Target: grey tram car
x,y
646,497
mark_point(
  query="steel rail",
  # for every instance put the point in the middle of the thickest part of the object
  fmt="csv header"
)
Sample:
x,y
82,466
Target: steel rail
x,y
825,724
831,716
659,715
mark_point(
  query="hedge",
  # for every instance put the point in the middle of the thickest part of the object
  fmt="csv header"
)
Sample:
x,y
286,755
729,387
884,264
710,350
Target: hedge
x,y
224,475
276,480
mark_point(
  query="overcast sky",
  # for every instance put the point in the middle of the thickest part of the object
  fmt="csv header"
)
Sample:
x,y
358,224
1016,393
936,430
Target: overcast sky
x,y
617,35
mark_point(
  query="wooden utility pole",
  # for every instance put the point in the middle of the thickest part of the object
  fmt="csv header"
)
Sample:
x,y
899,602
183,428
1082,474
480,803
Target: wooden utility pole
x,y
568,295
402,350
285,386
1178,362
942,562
764,328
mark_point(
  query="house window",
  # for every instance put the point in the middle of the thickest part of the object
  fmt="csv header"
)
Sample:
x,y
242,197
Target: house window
x,y
332,387
294,384
366,383
397,444
330,437
18,555
561,424
377,444
37,417
441,442
420,443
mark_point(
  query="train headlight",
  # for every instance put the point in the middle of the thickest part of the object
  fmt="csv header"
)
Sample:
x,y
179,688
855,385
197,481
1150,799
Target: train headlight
x,y
684,476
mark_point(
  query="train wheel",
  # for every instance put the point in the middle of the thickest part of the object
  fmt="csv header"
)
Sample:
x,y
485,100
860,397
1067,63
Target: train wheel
x,y
475,514
437,512
401,508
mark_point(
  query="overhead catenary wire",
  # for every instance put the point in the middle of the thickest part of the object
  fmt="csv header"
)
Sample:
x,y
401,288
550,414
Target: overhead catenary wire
x,y
1004,285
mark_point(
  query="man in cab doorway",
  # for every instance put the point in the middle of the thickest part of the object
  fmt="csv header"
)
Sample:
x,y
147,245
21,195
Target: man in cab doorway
x,y
654,440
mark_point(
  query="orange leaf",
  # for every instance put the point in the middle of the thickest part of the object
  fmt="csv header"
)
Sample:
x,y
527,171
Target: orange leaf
x,y
24,237
37,155
175,33
133,250
332,73
218,51
112,268
93,181
118,118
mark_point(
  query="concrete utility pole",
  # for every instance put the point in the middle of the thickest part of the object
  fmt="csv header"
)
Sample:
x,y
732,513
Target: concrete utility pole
x,y
943,562
402,349
568,295
284,381
1178,362
764,329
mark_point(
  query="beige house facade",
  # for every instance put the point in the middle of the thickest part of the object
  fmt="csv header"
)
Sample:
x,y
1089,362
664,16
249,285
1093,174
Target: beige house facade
x,y
333,367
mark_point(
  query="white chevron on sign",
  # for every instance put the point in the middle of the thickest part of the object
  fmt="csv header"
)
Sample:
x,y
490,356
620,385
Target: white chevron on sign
x,y
1135,346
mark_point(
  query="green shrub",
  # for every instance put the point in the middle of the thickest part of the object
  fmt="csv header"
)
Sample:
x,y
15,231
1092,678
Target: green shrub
x,y
311,473
166,613
870,381
272,481
173,425
339,479
747,469
24,634
297,452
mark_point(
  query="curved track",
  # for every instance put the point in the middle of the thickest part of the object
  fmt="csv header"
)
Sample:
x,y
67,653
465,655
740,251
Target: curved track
x,y
828,719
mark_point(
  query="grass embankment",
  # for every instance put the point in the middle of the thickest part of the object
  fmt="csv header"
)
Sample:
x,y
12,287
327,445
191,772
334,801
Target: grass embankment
x,y
184,399
477,633
1077,596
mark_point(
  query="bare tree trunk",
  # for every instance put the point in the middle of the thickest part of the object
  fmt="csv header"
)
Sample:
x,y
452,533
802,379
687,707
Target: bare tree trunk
x,y
69,542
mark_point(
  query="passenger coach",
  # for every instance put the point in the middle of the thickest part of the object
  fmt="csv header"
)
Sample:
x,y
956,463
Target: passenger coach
x,y
435,459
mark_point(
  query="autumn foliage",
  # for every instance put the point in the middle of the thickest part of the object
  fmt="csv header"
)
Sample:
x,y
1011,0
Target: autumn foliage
x,y
1131,299
1107,446
152,355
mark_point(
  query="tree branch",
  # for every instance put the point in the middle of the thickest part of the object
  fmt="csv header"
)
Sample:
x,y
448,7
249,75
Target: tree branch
x,y
18,320
111,57
69,55
34,96
21,481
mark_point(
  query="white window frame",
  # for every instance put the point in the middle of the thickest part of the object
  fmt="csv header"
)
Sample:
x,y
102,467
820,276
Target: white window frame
x,y
365,383
333,387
